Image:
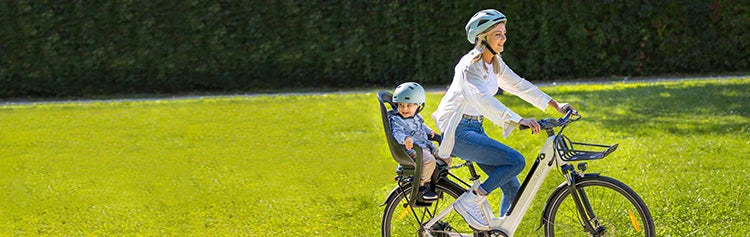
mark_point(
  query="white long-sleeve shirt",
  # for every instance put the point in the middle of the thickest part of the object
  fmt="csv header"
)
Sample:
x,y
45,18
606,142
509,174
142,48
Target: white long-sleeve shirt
x,y
471,87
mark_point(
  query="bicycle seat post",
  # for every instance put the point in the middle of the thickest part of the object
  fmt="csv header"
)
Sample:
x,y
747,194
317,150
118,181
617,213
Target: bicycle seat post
x,y
472,171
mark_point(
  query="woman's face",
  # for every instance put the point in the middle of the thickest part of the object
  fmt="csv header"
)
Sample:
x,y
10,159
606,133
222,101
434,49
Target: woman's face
x,y
496,38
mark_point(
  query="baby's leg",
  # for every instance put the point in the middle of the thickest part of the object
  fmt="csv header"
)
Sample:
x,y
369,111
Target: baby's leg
x,y
447,161
428,166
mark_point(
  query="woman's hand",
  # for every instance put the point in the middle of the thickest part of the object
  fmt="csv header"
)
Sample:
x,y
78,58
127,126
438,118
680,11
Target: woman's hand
x,y
409,143
564,107
561,107
532,124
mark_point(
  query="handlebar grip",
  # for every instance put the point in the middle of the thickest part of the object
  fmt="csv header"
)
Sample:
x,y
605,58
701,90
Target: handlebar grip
x,y
524,127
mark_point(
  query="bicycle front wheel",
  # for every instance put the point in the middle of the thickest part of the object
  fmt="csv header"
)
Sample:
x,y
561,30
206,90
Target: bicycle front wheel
x,y
614,208
399,219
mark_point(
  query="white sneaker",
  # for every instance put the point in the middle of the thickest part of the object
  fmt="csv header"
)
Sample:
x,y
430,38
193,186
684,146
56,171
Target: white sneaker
x,y
488,211
469,205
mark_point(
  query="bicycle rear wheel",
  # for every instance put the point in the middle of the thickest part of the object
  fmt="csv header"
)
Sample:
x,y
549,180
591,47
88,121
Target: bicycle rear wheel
x,y
617,210
401,220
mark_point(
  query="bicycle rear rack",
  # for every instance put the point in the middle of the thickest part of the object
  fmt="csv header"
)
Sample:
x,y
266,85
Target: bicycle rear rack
x,y
566,150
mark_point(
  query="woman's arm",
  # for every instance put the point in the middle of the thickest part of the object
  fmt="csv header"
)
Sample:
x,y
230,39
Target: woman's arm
x,y
514,84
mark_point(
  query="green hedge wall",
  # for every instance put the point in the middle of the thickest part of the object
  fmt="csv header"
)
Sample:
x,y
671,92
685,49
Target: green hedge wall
x,y
74,48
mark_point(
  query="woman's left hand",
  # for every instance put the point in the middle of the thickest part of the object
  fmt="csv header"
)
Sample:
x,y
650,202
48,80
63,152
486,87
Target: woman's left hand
x,y
564,107
561,107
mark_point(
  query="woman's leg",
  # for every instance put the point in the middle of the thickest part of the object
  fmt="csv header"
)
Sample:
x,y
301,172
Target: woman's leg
x,y
500,162
510,190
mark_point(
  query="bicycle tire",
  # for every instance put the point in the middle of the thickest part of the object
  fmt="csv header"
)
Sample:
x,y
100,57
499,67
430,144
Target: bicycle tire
x,y
401,221
613,204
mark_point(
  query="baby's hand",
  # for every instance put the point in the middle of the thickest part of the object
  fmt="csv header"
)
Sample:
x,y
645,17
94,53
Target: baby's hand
x,y
432,133
409,143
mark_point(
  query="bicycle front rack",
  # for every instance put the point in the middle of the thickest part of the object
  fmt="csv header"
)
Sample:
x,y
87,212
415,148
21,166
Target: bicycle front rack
x,y
567,151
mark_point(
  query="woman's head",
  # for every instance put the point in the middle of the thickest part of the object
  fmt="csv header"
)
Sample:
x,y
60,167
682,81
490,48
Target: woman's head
x,y
487,27
409,98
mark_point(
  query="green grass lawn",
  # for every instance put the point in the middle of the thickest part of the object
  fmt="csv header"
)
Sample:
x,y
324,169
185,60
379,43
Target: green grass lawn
x,y
318,164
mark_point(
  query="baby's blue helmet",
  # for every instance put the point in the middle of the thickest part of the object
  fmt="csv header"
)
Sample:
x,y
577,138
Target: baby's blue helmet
x,y
481,21
410,92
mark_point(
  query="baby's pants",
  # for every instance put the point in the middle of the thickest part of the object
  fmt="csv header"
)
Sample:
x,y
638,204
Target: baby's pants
x,y
428,161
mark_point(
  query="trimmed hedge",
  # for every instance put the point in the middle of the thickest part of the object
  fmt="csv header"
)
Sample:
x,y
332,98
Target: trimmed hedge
x,y
74,48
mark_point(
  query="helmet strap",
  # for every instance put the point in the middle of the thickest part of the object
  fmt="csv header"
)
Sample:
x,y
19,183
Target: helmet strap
x,y
484,42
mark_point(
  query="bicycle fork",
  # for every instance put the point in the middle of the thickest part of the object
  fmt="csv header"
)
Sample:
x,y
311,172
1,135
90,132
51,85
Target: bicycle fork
x,y
586,213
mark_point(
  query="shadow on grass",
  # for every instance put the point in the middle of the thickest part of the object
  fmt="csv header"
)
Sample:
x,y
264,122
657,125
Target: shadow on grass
x,y
677,109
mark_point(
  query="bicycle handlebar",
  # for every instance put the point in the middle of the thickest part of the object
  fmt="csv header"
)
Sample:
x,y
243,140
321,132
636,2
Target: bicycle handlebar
x,y
551,123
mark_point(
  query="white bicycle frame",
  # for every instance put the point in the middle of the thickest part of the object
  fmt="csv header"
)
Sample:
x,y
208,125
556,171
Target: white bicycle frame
x,y
539,171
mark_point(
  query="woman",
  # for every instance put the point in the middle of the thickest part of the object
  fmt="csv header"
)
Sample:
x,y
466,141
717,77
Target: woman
x,y
469,100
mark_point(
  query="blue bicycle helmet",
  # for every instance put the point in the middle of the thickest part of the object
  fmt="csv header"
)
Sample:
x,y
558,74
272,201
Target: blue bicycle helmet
x,y
481,21
410,92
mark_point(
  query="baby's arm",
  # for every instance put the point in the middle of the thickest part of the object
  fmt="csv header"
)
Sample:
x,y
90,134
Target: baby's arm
x,y
430,132
408,143
432,135
427,130
399,133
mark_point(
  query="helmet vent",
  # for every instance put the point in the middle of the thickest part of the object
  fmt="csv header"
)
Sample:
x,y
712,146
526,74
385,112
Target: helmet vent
x,y
407,98
482,22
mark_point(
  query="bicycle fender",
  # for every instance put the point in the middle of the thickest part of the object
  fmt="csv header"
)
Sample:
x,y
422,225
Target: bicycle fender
x,y
393,194
443,182
560,188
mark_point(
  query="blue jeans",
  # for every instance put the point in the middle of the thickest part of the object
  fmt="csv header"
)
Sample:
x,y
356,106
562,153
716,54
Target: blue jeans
x,y
500,162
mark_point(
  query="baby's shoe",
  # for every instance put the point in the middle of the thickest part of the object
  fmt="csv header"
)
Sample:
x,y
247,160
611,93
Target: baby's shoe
x,y
427,193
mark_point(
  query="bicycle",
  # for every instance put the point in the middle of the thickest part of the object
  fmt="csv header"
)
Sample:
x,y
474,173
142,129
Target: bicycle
x,y
584,204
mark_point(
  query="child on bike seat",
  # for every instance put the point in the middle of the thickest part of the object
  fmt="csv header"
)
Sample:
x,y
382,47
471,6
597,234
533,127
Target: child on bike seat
x,y
409,130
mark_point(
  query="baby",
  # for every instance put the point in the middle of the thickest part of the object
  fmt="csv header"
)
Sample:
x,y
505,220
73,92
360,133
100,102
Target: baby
x,y
409,130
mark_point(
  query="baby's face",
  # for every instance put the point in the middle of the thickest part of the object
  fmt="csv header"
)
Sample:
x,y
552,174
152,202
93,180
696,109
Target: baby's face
x,y
407,110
